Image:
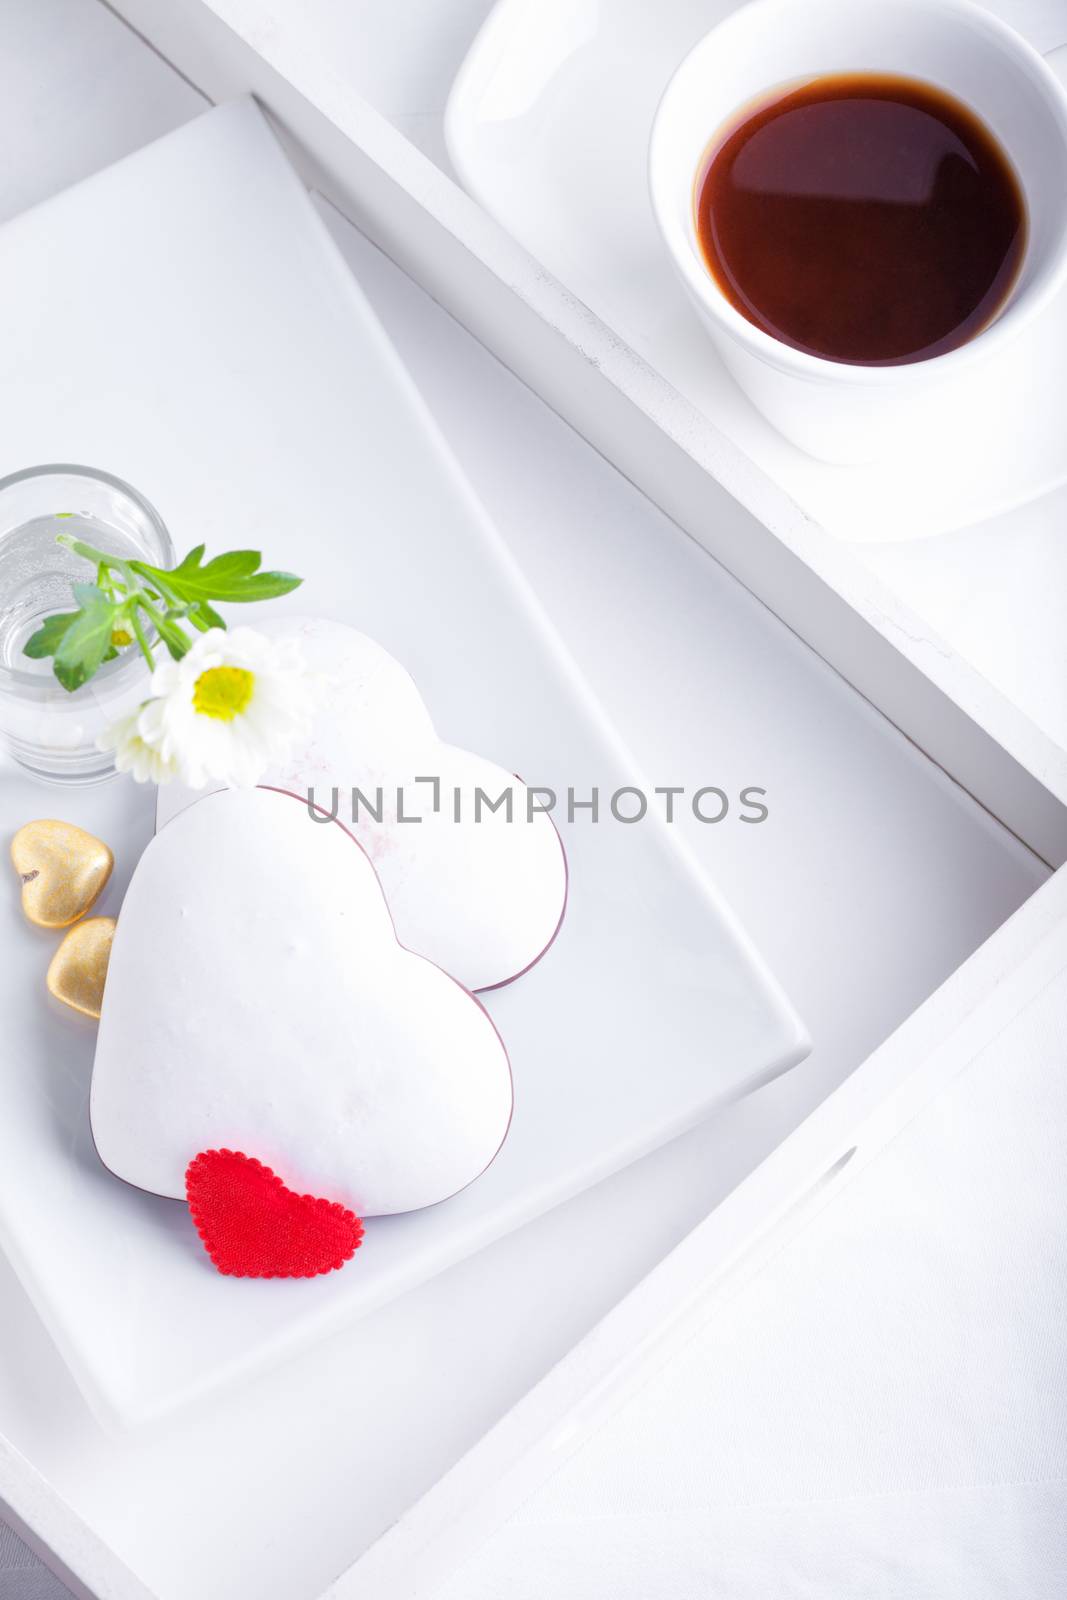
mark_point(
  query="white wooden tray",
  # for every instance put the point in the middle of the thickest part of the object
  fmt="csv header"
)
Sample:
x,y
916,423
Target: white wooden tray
x,y
626,405
1011,993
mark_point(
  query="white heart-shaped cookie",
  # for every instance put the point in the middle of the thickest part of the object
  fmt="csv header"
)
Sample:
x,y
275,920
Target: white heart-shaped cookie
x,y
477,891
257,1000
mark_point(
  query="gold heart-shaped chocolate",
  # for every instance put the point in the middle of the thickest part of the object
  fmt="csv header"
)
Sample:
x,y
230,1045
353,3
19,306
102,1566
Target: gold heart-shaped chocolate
x,y
62,868
78,969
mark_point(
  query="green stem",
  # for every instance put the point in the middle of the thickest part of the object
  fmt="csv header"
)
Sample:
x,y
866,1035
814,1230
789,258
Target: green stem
x,y
135,574
141,637
99,558
155,578
169,631
177,608
140,598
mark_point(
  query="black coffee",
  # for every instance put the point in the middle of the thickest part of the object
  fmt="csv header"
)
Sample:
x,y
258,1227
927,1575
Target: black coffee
x,y
863,218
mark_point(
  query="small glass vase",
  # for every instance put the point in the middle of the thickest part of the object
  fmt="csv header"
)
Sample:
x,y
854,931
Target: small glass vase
x,y
50,732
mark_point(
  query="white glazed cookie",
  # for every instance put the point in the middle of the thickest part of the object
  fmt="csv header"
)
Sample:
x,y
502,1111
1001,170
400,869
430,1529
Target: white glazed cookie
x,y
257,1000
481,898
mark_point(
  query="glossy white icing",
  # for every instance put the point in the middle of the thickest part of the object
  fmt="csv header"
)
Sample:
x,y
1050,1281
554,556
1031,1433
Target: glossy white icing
x,y
480,895
257,999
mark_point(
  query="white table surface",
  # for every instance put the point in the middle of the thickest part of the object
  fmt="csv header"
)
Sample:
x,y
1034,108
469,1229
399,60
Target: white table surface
x,y
875,880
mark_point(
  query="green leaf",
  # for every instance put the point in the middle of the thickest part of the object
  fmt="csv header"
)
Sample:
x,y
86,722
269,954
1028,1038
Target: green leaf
x,y
49,636
86,638
209,615
233,577
79,641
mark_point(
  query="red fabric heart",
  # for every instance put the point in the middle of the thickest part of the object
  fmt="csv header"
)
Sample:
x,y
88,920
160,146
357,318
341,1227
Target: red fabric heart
x,y
252,1226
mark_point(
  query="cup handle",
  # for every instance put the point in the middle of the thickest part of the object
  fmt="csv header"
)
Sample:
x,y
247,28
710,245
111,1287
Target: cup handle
x,y
1057,60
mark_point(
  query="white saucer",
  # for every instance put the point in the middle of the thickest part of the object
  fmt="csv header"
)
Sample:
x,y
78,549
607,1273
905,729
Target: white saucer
x,y
547,126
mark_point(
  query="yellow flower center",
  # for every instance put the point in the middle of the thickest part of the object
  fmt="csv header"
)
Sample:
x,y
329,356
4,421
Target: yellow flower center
x,y
120,638
223,692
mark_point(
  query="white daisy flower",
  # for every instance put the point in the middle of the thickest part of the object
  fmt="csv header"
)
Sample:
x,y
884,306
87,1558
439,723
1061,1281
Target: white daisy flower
x,y
228,710
132,754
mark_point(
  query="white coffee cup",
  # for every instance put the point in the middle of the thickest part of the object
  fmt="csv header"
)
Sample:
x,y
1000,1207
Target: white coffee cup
x,y
831,409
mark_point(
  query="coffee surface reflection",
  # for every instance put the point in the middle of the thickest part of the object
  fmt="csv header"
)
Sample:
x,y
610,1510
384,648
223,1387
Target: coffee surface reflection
x,y
863,218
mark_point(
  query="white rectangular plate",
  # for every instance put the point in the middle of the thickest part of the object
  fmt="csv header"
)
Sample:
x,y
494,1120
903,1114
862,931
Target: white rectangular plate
x,y
186,321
